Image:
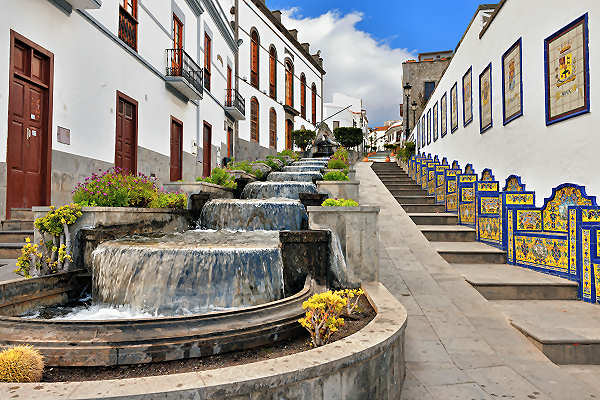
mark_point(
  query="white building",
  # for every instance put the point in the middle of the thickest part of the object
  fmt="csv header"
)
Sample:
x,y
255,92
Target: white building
x,y
145,85
516,135
346,111
280,79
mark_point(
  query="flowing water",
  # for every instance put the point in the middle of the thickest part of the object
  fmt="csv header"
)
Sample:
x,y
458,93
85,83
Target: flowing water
x,y
295,176
303,168
267,190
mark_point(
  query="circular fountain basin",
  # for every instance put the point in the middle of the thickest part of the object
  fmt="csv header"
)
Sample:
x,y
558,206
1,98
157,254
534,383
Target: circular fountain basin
x,y
303,168
146,340
189,273
255,214
295,176
267,190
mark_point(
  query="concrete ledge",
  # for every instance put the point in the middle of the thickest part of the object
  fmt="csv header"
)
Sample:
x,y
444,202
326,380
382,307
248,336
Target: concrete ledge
x,y
339,189
367,365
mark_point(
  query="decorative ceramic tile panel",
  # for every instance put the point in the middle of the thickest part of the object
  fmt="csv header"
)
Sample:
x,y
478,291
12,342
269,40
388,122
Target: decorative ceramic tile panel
x,y
468,97
512,85
485,99
487,186
468,194
590,215
556,209
529,220
513,185
541,252
490,205
525,199
451,202
586,273
573,241
510,236
467,213
467,178
489,229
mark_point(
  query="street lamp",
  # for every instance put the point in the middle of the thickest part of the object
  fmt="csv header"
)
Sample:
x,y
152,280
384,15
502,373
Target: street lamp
x,y
407,88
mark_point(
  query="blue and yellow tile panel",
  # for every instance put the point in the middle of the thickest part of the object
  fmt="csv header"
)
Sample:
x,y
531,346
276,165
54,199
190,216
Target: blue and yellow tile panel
x,y
489,212
467,211
440,183
451,183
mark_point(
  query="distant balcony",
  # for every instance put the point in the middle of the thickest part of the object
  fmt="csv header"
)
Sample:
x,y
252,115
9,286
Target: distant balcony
x,y
235,105
184,74
85,4
127,28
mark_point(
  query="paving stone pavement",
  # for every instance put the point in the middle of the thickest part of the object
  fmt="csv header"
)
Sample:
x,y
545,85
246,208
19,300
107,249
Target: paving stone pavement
x,y
458,346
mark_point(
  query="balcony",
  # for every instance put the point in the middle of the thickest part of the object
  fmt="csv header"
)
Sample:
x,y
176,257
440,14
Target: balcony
x,y
206,79
183,74
235,105
85,4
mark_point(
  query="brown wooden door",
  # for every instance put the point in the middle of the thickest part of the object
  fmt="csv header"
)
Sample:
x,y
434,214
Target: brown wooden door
x,y
229,83
176,149
289,127
206,149
29,124
229,142
126,140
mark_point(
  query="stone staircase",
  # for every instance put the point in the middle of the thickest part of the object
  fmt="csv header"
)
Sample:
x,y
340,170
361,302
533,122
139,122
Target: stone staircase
x,y
542,307
14,232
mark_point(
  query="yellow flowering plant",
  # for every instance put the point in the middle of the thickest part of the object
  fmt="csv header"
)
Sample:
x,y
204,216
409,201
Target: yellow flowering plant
x,y
322,317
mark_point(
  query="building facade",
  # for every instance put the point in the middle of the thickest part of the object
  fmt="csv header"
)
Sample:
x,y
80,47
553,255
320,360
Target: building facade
x,y
519,98
146,86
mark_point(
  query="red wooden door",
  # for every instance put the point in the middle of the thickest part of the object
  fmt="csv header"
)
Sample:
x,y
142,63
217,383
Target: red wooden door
x,y
177,45
176,150
289,127
29,113
206,149
126,140
229,142
229,82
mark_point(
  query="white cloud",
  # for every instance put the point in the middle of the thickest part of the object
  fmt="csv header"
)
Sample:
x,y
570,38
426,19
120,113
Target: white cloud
x,y
356,63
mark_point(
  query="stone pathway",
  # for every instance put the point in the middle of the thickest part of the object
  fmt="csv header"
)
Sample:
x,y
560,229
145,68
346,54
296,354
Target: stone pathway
x,y
458,344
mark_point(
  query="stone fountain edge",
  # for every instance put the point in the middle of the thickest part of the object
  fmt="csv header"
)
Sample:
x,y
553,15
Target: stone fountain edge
x,y
347,368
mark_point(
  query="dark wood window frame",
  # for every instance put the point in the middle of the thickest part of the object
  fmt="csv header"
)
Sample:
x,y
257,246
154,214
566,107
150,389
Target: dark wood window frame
x,y
254,120
121,95
273,73
207,60
254,58
303,95
314,103
128,23
289,83
273,128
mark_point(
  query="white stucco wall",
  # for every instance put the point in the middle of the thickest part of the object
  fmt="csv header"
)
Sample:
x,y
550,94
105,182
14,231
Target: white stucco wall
x,y
545,156
89,68
251,17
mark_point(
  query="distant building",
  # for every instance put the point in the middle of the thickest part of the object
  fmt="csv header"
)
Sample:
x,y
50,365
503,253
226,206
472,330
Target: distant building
x,y
346,111
423,75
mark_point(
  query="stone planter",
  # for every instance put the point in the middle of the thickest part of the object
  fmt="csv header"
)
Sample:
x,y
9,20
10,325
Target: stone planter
x,y
125,219
356,228
339,189
369,364
191,188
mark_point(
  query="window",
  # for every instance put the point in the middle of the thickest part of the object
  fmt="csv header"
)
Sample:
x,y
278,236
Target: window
x,y
229,87
207,60
254,59
254,120
429,88
273,73
289,84
128,22
303,96
314,104
336,124
273,128
177,60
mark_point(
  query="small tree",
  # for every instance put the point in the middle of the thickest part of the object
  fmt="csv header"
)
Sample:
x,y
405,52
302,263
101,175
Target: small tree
x,y
348,137
303,137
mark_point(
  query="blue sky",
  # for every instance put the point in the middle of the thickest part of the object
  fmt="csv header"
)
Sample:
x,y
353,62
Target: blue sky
x,y
364,43
430,25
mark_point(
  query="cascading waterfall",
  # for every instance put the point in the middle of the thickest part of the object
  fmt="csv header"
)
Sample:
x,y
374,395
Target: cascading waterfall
x,y
303,168
193,272
267,190
295,176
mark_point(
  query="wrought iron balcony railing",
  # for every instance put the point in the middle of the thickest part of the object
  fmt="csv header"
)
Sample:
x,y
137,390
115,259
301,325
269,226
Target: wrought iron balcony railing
x,y
179,63
234,99
206,79
127,28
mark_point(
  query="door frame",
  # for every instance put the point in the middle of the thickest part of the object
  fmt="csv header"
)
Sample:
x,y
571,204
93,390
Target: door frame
x,y
47,166
206,125
121,95
180,123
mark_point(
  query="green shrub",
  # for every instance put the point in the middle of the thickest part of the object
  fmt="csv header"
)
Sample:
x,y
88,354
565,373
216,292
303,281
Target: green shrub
x,y
169,200
303,137
339,203
341,154
336,176
245,166
115,188
221,177
336,164
269,162
407,151
289,153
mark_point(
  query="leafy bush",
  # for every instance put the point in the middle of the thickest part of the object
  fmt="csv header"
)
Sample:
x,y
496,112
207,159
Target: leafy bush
x,y
336,164
336,176
270,163
21,364
323,313
280,158
221,177
341,154
348,137
245,166
303,137
168,200
115,188
339,203
289,153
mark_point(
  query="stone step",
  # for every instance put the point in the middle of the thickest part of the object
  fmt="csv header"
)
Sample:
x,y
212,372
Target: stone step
x,y
434,219
408,192
17,225
401,185
424,208
21,213
15,236
469,253
10,250
447,233
392,175
509,282
389,181
567,332
415,199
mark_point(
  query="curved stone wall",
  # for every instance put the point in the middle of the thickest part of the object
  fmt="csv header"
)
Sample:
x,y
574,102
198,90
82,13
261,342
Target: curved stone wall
x,y
366,365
